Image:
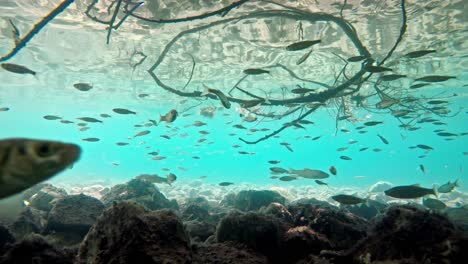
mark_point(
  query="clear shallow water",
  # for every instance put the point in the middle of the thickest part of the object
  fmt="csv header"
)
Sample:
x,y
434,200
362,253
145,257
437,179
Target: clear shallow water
x,y
72,49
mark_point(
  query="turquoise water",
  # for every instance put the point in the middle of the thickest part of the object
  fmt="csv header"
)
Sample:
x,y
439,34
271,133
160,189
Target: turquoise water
x,y
219,161
61,61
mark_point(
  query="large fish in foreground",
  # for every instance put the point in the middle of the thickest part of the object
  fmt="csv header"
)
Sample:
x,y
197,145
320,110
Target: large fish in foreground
x,y
26,162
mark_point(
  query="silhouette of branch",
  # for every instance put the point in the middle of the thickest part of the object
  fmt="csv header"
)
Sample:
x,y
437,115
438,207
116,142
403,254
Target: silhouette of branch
x,y
223,12
36,29
310,111
311,17
111,22
191,73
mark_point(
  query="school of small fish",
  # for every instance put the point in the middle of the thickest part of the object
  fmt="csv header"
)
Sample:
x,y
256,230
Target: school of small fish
x,y
22,159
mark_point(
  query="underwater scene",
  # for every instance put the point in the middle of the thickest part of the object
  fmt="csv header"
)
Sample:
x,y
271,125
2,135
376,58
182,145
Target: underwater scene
x,y
233,131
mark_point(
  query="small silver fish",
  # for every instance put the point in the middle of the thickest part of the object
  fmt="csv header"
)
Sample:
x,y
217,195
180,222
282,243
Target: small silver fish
x,y
309,173
417,54
142,133
152,178
90,119
222,97
278,170
435,78
434,204
255,71
123,111
287,178
304,57
319,182
448,187
52,117
225,183
169,117
348,199
409,192
25,162
384,140
171,178
15,32
15,68
302,45
91,139
84,87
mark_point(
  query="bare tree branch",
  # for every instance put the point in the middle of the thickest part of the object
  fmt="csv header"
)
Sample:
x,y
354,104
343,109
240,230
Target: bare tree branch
x,y
36,29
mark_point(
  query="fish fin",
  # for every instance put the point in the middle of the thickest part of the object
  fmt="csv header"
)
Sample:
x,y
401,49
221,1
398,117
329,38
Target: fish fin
x,y
416,184
436,193
456,183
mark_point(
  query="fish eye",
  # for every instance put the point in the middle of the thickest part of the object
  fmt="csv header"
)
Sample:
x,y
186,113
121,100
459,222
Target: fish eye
x,y
43,150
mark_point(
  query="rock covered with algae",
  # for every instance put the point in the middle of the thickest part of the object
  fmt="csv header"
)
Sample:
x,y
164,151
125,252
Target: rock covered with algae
x,y
128,233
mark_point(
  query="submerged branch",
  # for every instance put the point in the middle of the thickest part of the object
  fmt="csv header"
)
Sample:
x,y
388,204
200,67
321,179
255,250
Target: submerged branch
x,y
310,111
111,23
295,15
223,12
191,72
36,29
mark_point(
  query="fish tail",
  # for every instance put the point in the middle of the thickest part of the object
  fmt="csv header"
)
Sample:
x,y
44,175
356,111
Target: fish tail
x,y
456,184
436,193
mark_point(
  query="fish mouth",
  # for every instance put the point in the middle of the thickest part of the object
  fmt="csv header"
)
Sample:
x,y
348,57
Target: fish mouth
x,y
71,153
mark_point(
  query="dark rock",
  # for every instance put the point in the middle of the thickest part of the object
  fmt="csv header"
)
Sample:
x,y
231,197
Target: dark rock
x,y
407,234
299,242
342,229
259,232
228,200
139,191
312,201
5,238
35,249
249,200
198,201
33,190
29,221
367,211
199,231
74,214
43,198
459,216
312,259
128,233
277,210
195,212
224,253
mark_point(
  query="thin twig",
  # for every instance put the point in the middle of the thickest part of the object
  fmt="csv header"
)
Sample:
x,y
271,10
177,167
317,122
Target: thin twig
x,y
191,73
111,23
